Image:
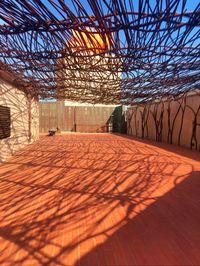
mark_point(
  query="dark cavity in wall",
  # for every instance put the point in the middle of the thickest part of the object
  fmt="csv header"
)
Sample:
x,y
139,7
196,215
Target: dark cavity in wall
x,y
5,122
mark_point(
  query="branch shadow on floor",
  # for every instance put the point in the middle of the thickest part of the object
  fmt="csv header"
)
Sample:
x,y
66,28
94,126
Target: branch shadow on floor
x,y
97,200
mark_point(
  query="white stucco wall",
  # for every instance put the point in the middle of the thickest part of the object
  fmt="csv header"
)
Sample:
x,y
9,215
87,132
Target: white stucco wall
x,y
21,134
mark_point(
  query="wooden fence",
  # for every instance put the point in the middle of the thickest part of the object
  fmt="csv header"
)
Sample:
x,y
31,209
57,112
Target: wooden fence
x,y
79,118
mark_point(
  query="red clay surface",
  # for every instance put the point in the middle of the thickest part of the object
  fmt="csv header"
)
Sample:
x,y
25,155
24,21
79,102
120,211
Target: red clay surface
x,y
100,199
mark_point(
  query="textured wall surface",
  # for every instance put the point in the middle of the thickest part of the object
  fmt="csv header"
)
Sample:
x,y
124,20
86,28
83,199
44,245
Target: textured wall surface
x,y
79,118
24,119
176,121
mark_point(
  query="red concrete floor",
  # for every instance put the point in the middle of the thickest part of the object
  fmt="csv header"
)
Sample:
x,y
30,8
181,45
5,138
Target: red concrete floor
x,y
100,199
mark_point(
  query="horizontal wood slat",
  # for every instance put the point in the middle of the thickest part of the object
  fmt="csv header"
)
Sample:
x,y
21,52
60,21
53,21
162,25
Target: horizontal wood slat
x,y
5,121
75,118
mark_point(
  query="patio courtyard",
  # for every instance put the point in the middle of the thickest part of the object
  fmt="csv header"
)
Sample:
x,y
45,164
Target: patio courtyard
x,y
99,132
100,199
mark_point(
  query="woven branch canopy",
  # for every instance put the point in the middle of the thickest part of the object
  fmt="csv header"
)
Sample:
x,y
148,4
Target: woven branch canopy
x,y
102,51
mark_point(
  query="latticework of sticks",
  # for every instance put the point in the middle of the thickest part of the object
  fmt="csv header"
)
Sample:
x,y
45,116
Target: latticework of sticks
x,y
145,49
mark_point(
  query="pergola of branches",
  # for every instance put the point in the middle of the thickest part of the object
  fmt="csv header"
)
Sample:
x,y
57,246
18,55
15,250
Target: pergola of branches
x,y
150,50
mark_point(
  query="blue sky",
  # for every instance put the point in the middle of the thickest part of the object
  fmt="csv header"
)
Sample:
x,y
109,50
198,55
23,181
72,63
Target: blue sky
x,y
168,41
190,5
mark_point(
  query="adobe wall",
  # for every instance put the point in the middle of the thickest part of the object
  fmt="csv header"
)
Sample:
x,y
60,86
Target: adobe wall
x,y
174,121
24,119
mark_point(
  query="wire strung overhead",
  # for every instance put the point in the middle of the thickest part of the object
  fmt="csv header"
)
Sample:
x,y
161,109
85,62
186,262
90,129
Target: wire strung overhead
x,y
102,51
